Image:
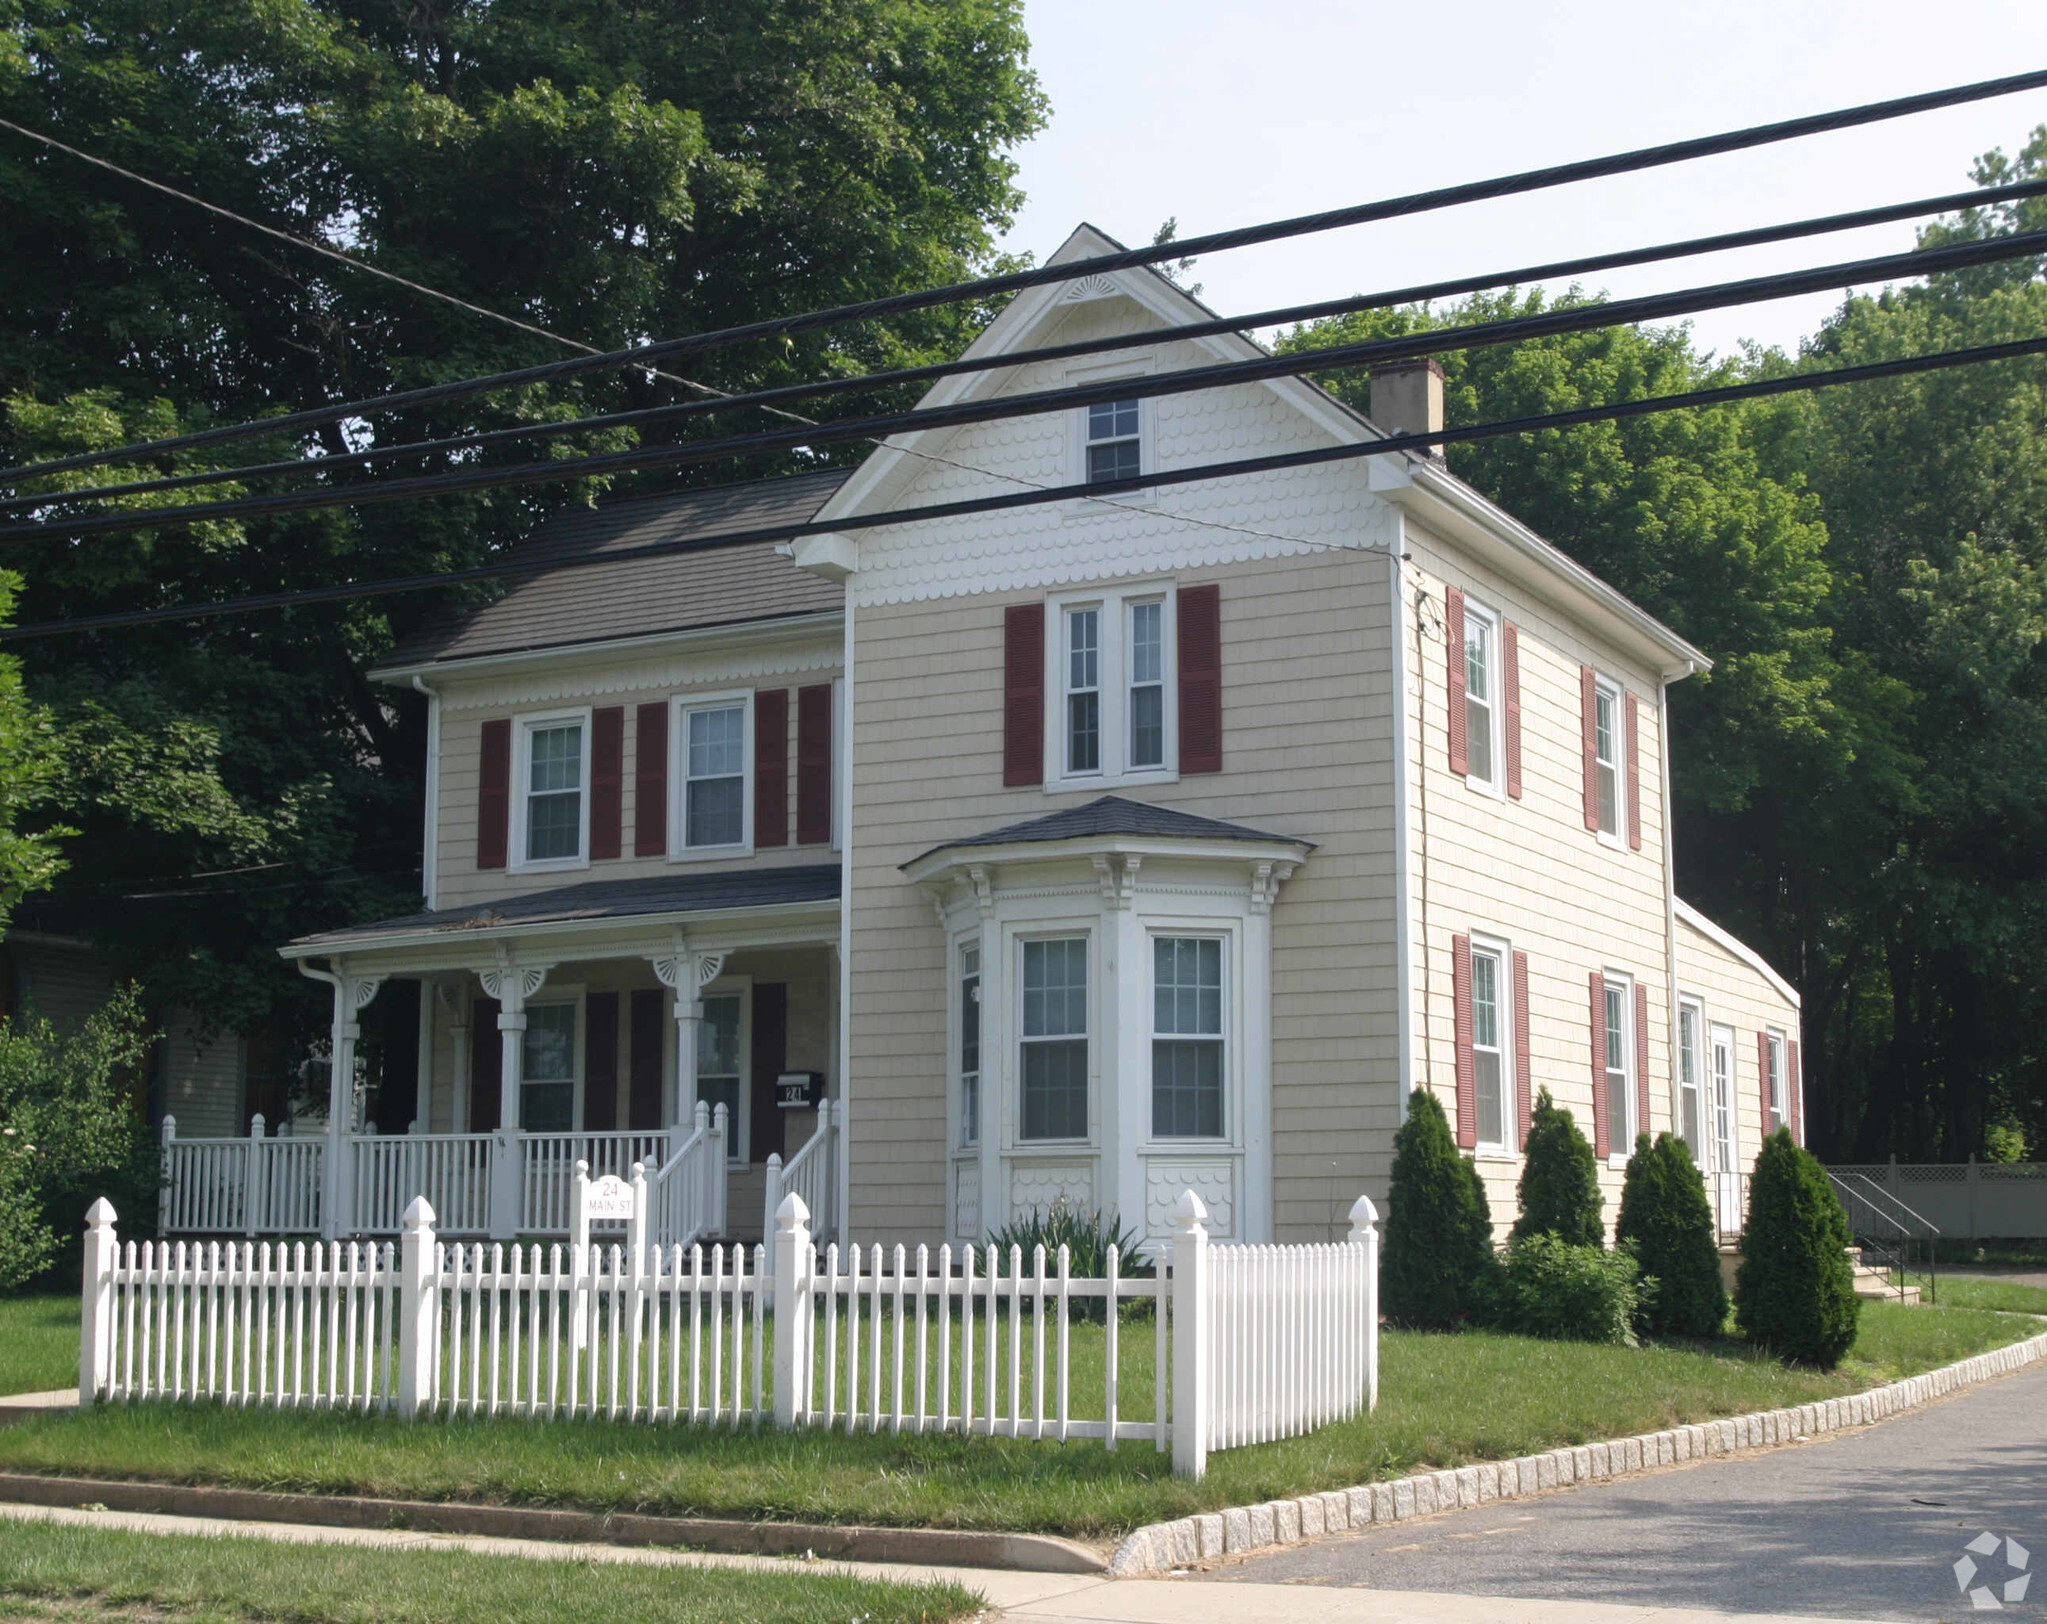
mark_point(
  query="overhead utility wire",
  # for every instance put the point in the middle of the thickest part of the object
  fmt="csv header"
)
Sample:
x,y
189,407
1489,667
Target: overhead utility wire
x,y
1393,444
989,287
1575,318
1685,249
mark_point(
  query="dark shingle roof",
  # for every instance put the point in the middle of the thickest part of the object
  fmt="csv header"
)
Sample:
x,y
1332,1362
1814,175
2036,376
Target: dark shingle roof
x,y
609,899
1112,815
639,597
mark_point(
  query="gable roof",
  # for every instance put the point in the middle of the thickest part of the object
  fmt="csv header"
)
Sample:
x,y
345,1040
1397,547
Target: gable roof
x,y
1726,939
1113,815
643,596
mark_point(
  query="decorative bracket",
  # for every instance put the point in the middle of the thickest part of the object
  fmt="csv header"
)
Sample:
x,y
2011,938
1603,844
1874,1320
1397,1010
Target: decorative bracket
x,y
1266,879
511,984
984,888
941,904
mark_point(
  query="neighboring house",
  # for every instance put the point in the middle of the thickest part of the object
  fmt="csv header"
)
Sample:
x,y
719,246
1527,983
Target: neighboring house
x,y
1092,851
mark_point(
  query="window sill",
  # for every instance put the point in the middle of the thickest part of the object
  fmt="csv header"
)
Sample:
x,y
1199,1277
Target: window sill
x,y
1084,783
705,854
1481,786
1616,1162
548,865
1496,1153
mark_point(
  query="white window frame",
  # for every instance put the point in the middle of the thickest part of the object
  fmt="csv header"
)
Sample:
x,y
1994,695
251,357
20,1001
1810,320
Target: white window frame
x,y
961,948
1113,670
1226,1037
1141,438
1620,1113
523,728
1498,948
572,997
1699,1053
1495,702
739,1128
1727,1111
1780,1083
1606,688
1016,1039
679,851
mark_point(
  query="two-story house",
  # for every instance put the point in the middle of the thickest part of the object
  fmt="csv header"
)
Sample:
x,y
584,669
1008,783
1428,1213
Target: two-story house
x,y
1094,850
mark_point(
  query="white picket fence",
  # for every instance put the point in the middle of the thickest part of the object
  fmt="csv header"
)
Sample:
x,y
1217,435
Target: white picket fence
x,y
1235,1344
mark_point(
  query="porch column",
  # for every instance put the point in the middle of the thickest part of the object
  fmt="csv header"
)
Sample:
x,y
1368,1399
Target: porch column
x,y
456,1000
511,984
1125,1047
352,994
687,971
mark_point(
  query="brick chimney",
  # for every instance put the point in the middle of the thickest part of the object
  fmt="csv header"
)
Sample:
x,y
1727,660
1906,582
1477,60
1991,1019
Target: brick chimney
x,y
1407,397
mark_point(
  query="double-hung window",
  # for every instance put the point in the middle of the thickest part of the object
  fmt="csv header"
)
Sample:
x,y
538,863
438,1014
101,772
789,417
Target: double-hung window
x,y
1723,1098
1774,1089
553,777
1481,696
1187,1059
970,1046
712,750
719,1077
1113,443
1606,734
547,1069
1112,708
1620,1092
1489,1017
1054,1065
1690,1077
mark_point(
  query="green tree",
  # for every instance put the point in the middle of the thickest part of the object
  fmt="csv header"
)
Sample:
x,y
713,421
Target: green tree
x,y
1438,1265
1559,1189
1795,1290
1666,1222
615,172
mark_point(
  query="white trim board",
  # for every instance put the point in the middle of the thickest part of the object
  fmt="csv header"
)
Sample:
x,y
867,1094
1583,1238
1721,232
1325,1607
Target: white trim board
x,y
1740,949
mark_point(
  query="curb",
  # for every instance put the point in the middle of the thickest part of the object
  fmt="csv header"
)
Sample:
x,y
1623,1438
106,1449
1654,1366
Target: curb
x,y
1161,1547
924,1547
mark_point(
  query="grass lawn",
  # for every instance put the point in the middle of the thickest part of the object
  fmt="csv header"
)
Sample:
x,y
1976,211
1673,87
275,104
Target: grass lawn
x,y
38,1342
107,1575
1975,1291
1444,1401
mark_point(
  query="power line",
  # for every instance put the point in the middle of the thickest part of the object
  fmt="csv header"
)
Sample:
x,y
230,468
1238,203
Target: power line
x,y
995,286
1394,444
1577,318
1319,310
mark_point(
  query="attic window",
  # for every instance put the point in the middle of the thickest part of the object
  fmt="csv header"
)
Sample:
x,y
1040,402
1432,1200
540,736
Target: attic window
x,y
1112,442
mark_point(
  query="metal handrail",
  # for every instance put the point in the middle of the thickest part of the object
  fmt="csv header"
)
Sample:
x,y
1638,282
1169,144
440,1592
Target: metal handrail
x,y
1882,1194
1901,1224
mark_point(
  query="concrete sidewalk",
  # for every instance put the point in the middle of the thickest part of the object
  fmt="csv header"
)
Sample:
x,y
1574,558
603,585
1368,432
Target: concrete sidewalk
x,y
1024,1598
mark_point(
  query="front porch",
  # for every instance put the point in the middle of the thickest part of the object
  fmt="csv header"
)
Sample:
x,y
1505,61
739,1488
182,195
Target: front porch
x,y
689,1024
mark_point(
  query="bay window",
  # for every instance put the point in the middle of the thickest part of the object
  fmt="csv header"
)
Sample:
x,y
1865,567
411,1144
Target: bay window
x,y
1187,1038
1054,1040
970,1046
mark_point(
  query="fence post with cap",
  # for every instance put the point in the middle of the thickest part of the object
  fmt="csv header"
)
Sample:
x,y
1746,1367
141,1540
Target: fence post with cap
x,y
96,1313
419,1311
1191,1374
1364,1231
792,1311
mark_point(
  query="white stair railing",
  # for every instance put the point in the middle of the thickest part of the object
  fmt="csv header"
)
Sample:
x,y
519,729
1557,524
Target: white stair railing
x,y
810,1173
686,1196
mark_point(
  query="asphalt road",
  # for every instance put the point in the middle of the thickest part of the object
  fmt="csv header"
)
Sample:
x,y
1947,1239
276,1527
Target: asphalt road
x,y
1868,1525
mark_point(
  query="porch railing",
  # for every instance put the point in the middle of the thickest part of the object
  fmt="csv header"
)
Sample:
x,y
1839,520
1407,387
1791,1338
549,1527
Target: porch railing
x,y
548,1165
452,1170
811,1173
1730,1203
686,1195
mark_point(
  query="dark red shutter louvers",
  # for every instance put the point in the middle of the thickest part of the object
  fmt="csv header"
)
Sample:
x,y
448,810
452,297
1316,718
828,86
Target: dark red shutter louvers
x,y
1201,679
814,764
1023,694
600,1062
1458,718
771,767
1588,701
650,780
494,794
607,781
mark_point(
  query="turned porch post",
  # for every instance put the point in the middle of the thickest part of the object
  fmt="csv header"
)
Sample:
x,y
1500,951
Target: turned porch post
x,y
352,994
511,984
687,971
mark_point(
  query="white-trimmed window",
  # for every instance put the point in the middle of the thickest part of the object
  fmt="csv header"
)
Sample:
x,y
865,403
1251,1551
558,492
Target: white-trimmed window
x,y
1053,1068
1691,1074
1112,706
712,771
548,1053
1778,1095
1620,1063
1483,707
1114,442
1491,1020
970,1045
721,1068
1187,1044
551,810
1723,1098
1607,747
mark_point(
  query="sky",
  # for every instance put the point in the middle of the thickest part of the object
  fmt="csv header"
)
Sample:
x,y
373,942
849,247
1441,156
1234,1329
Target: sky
x,y
1222,113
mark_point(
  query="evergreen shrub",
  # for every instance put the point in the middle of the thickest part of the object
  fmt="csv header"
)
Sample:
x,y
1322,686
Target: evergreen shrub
x,y
1667,1220
1795,1291
1437,1266
1086,1233
1559,1190
1550,1288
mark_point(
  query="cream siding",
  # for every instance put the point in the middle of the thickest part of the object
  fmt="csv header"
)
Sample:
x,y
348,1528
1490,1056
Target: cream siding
x,y
1735,994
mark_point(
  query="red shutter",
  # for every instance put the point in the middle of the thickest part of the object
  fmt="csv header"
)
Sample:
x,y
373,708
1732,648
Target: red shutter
x,y
486,1067
771,767
1201,679
645,1077
1588,698
1458,722
600,1062
494,795
1467,1067
1510,640
607,780
1641,1059
768,1053
1795,1083
1023,694
1524,1065
1602,1136
650,781
1763,1078
814,764
1634,774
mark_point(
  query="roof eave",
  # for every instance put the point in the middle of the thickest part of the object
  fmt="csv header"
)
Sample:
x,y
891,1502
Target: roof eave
x,y
942,859
789,627
312,947
1725,938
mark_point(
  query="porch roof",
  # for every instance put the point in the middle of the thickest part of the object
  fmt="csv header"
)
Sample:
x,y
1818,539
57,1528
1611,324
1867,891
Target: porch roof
x,y
595,902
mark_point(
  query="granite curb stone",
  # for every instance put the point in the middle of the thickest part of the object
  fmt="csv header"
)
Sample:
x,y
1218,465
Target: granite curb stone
x,y
1154,1549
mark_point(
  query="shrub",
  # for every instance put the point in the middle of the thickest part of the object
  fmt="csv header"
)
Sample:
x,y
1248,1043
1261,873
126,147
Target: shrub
x,y
1559,1190
1087,1236
1795,1291
1550,1288
1438,1265
26,1242
1666,1220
